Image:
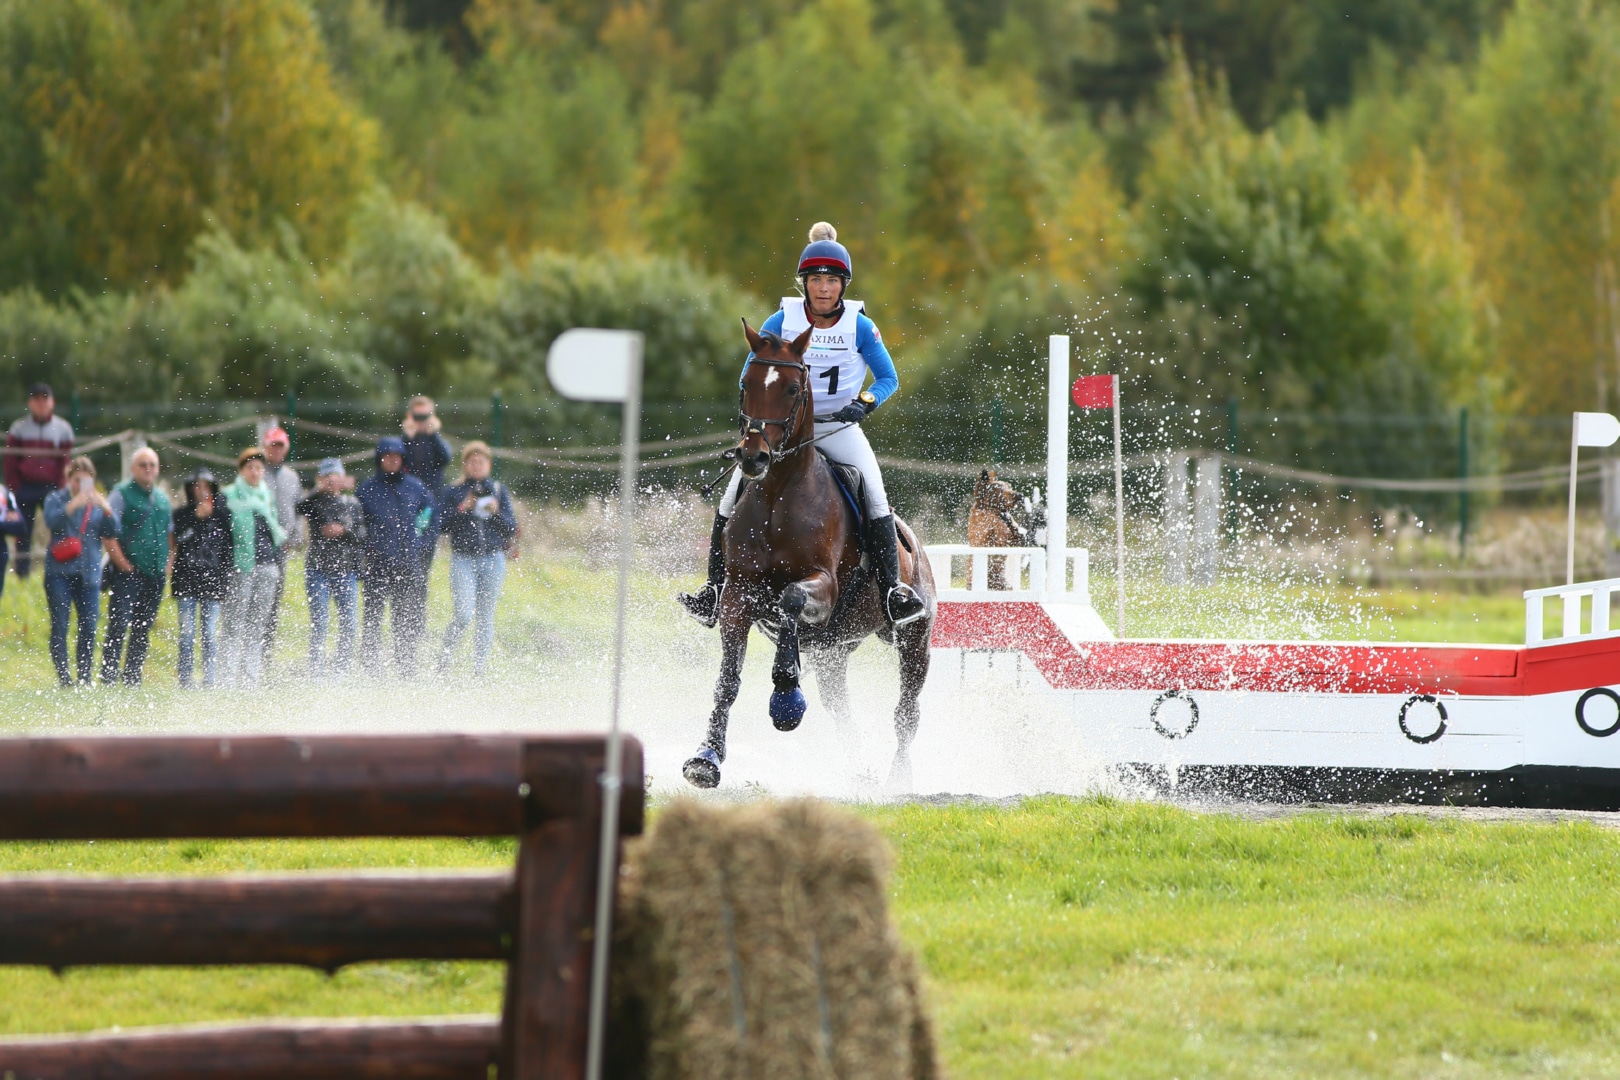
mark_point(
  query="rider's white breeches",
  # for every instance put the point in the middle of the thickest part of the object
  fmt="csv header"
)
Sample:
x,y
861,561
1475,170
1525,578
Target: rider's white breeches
x,y
846,445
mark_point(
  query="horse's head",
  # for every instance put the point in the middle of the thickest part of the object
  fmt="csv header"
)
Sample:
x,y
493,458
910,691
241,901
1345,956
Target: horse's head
x,y
775,394
994,494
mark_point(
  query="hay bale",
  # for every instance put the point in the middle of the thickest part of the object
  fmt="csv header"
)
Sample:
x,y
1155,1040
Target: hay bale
x,y
754,942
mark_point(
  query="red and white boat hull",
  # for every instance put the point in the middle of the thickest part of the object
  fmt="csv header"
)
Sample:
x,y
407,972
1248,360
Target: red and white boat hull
x,y
1524,725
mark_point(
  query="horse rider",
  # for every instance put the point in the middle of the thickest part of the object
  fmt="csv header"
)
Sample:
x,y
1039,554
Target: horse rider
x,y
844,346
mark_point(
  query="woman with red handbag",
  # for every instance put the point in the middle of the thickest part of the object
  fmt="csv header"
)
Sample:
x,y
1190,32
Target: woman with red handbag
x,y
79,518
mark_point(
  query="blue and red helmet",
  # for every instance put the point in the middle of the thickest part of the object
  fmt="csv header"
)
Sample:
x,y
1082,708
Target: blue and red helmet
x,y
825,255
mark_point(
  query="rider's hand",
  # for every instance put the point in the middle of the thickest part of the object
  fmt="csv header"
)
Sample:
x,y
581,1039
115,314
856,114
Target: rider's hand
x,y
853,413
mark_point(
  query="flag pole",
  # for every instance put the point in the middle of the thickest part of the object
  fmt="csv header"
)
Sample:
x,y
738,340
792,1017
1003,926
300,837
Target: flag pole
x,y
1119,514
1574,462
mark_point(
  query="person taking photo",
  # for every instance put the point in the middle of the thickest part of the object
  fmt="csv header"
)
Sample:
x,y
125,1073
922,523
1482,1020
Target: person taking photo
x,y
78,516
479,519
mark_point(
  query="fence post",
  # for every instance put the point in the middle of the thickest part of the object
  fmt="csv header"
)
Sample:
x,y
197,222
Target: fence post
x,y
495,430
1611,514
995,430
1462,474
127,446
1177,520
1207,519
292,423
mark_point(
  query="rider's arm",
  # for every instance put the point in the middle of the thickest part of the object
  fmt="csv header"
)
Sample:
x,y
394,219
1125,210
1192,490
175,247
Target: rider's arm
x,y
870,344
772,325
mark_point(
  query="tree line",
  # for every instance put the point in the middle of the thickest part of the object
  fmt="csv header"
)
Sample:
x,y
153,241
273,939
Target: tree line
x,y
1399,206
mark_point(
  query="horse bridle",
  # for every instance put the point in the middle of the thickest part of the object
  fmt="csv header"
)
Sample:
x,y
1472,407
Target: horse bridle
x,y
753,425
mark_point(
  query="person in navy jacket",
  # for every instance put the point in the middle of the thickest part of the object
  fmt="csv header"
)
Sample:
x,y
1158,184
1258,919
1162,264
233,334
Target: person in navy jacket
x,y
845,345
398,513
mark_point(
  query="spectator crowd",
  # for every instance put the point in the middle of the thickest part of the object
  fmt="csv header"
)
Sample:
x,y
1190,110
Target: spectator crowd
x,y
222,553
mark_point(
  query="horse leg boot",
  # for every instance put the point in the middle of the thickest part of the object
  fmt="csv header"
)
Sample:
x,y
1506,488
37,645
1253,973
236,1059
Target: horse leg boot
x,y
702,769
809,598
704,605
899,601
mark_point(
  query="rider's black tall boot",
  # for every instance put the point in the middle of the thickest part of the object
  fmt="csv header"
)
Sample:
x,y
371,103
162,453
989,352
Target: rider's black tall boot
x,y
901,604
704,605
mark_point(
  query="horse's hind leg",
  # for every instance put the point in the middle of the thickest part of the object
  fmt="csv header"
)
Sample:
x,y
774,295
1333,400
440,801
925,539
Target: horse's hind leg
x,y
911,641
831,666
703,768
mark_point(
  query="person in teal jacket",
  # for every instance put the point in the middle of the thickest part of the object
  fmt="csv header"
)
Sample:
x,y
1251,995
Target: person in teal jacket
x,y
258,537
140,567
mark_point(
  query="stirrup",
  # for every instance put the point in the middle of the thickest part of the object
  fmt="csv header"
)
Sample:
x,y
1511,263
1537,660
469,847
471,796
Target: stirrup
x,y
703,605
903,605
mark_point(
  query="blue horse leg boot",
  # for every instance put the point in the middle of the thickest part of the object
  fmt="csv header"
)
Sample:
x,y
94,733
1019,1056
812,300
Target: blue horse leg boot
x,y
704,605
901,604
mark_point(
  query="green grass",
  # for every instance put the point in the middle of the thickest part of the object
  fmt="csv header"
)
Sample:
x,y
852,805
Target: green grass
x,y
1096,938
1061,937
1084,938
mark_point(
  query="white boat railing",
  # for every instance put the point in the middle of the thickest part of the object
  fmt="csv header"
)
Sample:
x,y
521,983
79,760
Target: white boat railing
x,y
1598,622
1023,568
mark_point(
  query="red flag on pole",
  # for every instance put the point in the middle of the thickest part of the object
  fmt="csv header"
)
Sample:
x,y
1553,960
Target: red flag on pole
x,y
1093,392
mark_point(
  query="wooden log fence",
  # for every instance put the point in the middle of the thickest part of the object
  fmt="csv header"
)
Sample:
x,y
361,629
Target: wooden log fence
x,y
536,917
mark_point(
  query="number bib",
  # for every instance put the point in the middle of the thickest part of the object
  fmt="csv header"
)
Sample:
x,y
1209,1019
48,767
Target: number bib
x,y
837,369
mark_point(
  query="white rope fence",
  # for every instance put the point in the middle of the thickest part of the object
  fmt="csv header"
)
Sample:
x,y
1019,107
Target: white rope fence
x,y
664,455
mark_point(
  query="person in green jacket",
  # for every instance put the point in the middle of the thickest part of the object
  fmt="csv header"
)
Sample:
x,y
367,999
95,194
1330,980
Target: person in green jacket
x,y
259,538
140,567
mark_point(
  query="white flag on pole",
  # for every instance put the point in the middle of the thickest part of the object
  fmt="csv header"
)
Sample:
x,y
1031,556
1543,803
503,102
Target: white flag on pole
x,y
587,364
1596,429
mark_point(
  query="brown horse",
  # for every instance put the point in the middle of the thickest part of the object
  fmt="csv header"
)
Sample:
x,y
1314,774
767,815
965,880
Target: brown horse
x,y
991,522
793,568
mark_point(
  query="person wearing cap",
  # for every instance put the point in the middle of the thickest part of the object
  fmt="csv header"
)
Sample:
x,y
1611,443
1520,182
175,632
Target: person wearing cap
x,y
337,534
398,513
38,447
282,481
204,559
257,535
845,346
78,516
139,557
479,520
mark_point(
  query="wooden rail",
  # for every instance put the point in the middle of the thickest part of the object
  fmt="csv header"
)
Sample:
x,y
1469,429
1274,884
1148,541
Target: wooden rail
x,y
537,917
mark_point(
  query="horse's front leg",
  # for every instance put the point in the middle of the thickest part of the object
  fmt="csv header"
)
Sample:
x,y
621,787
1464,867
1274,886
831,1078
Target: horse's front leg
x,y
810,599
703,768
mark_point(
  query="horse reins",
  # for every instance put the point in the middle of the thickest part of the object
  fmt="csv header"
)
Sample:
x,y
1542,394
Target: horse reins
x,y
752,425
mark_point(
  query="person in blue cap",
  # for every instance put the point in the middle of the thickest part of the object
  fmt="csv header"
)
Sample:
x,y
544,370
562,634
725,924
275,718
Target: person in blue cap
x,y
397,511
845,346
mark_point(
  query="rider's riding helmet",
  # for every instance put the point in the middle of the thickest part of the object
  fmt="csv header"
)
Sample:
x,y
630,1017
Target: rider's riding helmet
x,y
825,255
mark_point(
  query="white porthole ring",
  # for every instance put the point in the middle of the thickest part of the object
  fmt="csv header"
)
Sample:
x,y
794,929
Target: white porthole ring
x,y
1439,707
1192,711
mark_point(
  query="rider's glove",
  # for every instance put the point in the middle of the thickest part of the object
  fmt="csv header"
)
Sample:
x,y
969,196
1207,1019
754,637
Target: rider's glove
x,y
853,413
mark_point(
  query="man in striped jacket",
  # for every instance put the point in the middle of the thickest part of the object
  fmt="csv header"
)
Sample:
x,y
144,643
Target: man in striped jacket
x,y
39,446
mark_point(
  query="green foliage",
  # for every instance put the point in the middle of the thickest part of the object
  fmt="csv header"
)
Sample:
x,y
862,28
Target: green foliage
x,y
1405,206
694,341
130,127
1262,275
1276,54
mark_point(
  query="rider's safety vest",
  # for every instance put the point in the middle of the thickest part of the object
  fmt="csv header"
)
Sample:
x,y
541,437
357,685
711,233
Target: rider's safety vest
x,y
837,369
